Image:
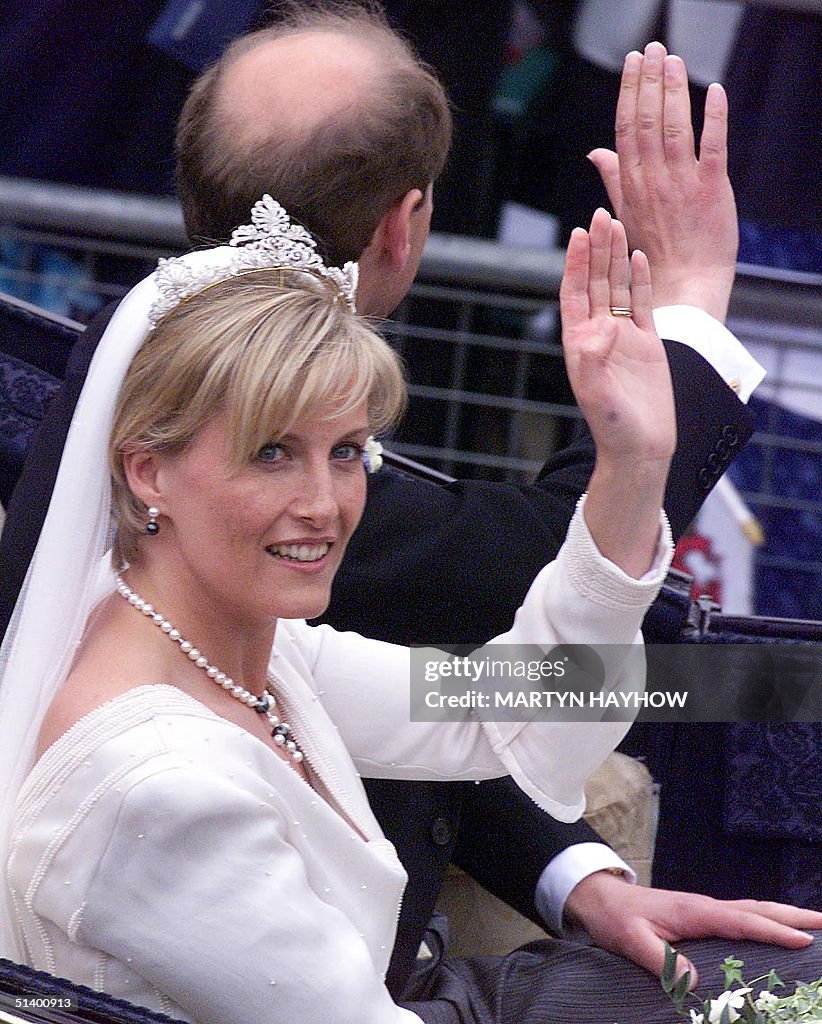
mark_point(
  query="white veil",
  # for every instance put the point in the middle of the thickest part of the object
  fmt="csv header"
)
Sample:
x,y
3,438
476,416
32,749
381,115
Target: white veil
x,y
67,575
70,571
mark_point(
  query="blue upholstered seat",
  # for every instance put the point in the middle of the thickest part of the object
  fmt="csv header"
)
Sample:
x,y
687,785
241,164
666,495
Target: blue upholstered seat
x,y
34,349
24,393
45,995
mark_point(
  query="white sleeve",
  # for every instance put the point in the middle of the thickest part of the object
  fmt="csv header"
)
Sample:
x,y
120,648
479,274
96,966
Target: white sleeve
x,y
580,598
565,871
697,329
220,912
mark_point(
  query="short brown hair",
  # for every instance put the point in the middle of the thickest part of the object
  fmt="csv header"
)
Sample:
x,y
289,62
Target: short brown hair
x,y
338,178
267,348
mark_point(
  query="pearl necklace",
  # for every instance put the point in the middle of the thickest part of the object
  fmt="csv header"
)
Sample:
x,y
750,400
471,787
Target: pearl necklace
x,y
265,705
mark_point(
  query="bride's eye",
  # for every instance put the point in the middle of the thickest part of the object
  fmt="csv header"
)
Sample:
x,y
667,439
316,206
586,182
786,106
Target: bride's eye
x,y
348,452
271,453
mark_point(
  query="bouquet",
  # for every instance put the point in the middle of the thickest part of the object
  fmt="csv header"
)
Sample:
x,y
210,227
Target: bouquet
x,y
803,1006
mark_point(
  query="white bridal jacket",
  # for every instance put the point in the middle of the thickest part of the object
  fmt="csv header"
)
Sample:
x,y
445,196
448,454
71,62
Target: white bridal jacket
x,y
165,855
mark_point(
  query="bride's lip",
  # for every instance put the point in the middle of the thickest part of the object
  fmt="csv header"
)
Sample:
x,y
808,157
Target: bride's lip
x,y
306,556
314,539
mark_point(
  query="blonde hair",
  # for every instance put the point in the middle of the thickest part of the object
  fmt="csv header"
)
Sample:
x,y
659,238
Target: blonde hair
x,y
267,348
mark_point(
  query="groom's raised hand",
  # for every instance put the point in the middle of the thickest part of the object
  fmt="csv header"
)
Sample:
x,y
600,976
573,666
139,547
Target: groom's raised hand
x,y
677,207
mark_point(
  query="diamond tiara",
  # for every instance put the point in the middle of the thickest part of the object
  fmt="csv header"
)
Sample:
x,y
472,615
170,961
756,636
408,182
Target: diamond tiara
x,y
269,242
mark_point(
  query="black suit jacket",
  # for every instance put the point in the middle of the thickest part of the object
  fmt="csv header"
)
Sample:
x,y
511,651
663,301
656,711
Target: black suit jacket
x,y
450,565
441,564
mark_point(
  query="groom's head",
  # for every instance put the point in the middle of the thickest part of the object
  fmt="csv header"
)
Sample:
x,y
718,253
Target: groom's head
x,y
331,113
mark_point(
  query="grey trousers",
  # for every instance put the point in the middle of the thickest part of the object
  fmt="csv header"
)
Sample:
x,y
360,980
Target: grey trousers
x,y
561,982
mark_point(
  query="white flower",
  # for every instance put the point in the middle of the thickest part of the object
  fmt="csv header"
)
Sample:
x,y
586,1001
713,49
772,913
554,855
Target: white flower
x,y
372,454
697,1018
733,1000
765,1000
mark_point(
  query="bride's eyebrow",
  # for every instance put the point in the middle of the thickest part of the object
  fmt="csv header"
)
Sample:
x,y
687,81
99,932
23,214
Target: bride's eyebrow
x,y
358,436
355,433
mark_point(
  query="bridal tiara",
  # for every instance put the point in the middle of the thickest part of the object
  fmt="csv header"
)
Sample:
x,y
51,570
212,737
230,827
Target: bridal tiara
x,y
270,242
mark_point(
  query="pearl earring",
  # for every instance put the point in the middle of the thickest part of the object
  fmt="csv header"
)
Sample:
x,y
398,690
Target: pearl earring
x,y
152,526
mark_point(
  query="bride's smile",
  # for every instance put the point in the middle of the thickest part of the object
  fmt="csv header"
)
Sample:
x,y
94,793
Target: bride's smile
x,y
265,540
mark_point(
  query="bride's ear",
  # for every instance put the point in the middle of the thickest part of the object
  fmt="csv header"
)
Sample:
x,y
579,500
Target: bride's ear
x,y
141,470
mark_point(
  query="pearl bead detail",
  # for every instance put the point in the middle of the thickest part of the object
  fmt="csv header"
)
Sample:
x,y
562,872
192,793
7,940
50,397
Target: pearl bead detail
x,y
152,527
265,705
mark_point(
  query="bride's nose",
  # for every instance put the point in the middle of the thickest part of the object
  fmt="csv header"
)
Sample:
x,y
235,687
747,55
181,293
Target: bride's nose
x,y
317,500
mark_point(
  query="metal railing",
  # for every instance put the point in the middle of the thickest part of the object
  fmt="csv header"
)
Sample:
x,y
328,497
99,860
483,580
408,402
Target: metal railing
x,y
489,396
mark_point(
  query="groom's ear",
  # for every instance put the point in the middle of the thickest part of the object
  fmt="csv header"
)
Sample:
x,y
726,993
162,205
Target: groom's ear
x,y
393,237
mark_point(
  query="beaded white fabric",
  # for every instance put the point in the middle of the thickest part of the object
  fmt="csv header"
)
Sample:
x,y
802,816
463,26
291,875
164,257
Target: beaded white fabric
x,y
71,571
281,732
270,241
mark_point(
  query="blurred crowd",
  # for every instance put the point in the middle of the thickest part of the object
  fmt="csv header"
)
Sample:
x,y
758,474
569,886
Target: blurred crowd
x,y
93,100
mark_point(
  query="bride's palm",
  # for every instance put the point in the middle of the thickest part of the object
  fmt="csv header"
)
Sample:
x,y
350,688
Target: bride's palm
x,y
616,364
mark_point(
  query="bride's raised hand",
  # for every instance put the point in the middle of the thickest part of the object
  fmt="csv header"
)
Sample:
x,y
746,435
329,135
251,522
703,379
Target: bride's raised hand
x,y
620,377
616,364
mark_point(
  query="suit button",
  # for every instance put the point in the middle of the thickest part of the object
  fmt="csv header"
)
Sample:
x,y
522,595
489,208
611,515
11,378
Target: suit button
x,y
713,461
440,831
731,436
705,479
722,448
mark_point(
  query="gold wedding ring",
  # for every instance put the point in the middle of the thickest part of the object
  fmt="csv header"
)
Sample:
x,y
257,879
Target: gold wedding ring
x,y
621,311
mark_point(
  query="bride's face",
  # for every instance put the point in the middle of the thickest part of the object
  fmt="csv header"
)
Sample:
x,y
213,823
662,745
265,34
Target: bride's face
x,y
267,540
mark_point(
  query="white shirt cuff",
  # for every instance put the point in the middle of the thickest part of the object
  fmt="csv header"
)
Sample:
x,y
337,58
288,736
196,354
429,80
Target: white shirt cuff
x,y
714,342
565,871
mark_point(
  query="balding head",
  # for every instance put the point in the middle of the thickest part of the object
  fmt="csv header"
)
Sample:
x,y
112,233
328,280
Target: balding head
x,y
293,85
329,111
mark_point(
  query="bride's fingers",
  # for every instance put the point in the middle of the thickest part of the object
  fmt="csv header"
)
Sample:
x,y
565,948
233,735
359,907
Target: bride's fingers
x,y
619,274
574,305
641,296
599,288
